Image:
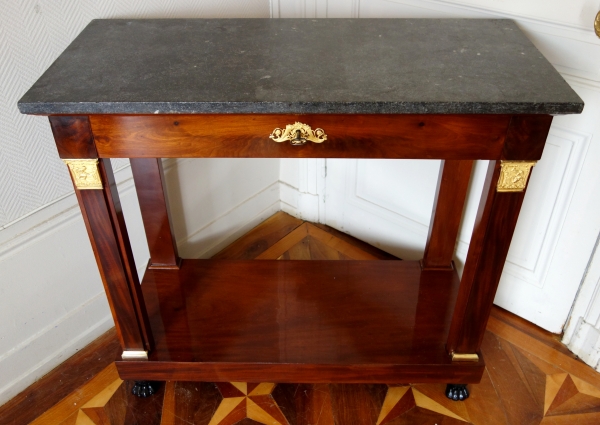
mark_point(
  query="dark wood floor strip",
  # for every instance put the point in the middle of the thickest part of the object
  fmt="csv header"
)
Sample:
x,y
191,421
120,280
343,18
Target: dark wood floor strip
x,y
262,237
542,335
61,381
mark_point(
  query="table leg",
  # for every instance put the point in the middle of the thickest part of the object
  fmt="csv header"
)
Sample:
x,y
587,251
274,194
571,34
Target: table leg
x,y
494,226
152,195
98,198
502,197
448,206
108,235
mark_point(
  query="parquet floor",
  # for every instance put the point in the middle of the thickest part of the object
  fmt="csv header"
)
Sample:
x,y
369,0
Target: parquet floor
x,y
530,377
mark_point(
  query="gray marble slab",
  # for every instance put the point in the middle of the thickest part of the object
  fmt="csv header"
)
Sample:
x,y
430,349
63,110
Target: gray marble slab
x,y
448,66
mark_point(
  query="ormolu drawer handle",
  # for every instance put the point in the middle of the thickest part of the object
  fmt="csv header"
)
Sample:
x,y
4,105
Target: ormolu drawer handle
x,y
298,134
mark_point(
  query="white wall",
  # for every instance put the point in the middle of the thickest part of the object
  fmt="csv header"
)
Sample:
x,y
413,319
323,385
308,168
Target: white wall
x,y
215,201
571,13
51,295
51,298
389,205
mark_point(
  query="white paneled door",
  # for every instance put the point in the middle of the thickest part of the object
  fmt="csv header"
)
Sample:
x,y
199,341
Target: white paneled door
x,y
388,202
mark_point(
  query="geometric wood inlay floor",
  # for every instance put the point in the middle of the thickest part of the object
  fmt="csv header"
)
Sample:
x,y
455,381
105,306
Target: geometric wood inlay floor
x,y
528,379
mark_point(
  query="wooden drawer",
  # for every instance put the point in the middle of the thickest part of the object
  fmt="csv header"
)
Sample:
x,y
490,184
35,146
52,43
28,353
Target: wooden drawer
x,y
348,136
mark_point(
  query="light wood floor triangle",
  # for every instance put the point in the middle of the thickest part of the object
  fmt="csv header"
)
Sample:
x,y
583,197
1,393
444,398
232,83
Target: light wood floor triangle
x,y
308,242
392,397
427,403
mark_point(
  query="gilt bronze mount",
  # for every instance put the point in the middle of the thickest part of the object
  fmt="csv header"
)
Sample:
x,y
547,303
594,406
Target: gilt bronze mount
x,y
514,175
298,134
85,173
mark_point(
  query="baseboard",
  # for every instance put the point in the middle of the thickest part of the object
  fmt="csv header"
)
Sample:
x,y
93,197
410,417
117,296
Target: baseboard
x,y
57,339
304,206
585,343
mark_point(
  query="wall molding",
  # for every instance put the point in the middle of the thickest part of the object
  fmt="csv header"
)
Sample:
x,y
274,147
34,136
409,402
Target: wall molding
x,y
76,322
274,8
304,195
582,332
305,206
359,196
50,218
585,343
558,41
585,83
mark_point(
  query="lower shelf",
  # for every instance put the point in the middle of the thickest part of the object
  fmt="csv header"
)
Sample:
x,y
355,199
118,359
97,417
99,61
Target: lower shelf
x,y
301,322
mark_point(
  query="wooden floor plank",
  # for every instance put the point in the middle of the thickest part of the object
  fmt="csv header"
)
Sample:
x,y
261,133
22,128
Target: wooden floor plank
x,y
484,404
542,335
520,407
370,249
543,351
338,244
141,411
284,244
357,404
532,376
168,407
192,403
299,251
322,251
435,393
312,405
262,237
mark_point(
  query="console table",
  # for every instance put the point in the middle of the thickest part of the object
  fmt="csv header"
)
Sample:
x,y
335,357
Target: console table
x,y
456,90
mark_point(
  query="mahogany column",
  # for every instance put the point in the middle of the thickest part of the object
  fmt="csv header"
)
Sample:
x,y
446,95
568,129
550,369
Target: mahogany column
x,y
103,217
449,202
494,227
154,205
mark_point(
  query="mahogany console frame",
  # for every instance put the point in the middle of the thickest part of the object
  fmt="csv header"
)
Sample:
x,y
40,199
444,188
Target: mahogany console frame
x,y
160,329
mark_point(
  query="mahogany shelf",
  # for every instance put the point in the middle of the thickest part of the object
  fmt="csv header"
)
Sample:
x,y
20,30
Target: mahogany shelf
x,y
268,320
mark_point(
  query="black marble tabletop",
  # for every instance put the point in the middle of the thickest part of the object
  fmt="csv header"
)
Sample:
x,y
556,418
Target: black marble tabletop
x,y
448,66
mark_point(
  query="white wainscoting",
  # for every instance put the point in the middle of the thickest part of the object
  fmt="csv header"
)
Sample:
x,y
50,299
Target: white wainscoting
x,y
48,270
557,229
385,202
582,331
302,188
57,303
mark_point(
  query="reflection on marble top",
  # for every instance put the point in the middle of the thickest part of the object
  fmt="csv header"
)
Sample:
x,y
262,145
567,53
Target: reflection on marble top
x,y
447,66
